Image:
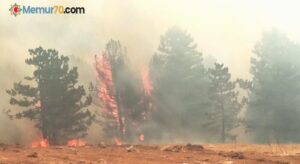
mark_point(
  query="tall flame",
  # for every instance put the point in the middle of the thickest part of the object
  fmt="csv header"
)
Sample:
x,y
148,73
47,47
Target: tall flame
x,y
146,81
147,85
104,71
105,90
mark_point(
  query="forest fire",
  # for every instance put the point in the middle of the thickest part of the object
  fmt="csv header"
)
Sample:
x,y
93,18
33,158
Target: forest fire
x,y
107,93
104,71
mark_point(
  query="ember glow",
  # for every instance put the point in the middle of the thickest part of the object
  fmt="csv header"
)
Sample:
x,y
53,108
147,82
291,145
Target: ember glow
x,y
76,142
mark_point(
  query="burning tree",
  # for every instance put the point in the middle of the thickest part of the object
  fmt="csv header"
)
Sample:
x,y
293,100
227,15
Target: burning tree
x,y
120,93
55,102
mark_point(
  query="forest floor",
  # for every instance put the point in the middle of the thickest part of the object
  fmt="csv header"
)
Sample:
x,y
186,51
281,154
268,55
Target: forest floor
x,y
160,154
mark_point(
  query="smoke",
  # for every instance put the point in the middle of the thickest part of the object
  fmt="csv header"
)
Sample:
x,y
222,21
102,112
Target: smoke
x,y
226,29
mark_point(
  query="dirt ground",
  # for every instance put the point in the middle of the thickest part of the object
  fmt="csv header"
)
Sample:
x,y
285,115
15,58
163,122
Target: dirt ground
x,y
160,154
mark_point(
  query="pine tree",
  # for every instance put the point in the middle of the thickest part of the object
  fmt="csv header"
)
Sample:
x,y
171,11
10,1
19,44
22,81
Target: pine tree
x,y
120,92
225,103
273,113
52,98
179,87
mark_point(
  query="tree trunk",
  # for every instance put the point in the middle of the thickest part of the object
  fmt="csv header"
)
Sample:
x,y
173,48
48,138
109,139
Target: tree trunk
x,y
43,123
223,124
119,104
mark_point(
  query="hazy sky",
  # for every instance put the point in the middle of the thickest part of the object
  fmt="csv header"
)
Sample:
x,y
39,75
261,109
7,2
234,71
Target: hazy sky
x,y
226,29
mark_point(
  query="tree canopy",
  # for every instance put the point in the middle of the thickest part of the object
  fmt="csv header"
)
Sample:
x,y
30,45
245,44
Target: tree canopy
x,y
52,98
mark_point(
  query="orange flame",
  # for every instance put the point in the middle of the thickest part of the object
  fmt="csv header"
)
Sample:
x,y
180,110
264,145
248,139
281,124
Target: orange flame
x,y
40,143
146,81
104,71
117,141
106,90
76,142
142,137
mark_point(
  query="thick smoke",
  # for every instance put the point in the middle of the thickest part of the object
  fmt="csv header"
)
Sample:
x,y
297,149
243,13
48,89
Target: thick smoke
x,y
227,30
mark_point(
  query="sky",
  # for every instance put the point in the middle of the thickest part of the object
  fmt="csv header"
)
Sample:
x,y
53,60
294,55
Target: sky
x,y
225,29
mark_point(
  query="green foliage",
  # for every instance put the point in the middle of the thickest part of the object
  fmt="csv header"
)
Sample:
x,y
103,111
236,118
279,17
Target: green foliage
x,y
180,85
274,112
52,99
225,103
